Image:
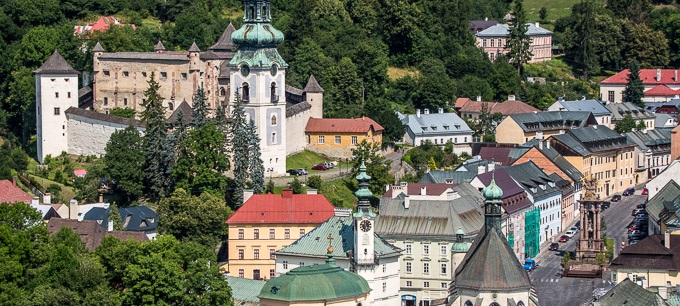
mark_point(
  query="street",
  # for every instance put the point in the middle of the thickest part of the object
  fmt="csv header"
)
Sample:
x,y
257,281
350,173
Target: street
x,y
547,279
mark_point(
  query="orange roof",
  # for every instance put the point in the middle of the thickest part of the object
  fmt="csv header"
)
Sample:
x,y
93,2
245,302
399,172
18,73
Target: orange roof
x,y
648,77
12,194
662,90
286,208
460,102
342,125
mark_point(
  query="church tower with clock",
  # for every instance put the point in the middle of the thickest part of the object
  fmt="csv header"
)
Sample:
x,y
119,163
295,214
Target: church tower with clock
x,y
258,76
364,224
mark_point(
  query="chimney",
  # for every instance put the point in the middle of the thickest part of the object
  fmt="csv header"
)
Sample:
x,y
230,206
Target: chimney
x,y
441,110
101,198
663,292
35,201
547,144
537,24
486,18
47,198
407,202
14,181
658,75
423,191
540,144
311,191
667,239
418,113
491,166
583,98
479,98
511,97
426,111
247,193
287,193
73,209
675,78
109,226
481,169
560,99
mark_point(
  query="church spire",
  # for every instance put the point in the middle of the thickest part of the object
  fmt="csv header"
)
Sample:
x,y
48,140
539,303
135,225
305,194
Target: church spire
x,y
492,206
363,193
257,30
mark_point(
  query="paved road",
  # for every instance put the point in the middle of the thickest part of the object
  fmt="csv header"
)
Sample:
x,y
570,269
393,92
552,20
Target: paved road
x,y
552,288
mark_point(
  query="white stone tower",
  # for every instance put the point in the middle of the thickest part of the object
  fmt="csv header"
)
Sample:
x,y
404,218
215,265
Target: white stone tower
x,y
56,89
258,75
314,96
364,223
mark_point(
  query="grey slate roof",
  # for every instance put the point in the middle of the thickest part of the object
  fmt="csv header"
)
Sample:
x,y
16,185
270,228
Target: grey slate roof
x,y
194,48
657,140
562,163
98,48
56,64
315,243
619,110
653,106
534,181
477,26
245,289
185,109
294,109
660,120
444,123
490,264
594,106
539,121
440,218
159,46
587,140
629,293
312,85
136,219
103,117
225,43
665,202
504,30
463,174
167,56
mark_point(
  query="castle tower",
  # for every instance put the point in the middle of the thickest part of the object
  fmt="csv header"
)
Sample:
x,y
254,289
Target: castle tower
x,y
364,223
492,207
56,87
314,96
258,76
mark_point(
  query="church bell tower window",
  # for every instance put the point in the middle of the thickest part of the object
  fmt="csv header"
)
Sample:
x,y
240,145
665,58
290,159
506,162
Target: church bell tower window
x,y
245,92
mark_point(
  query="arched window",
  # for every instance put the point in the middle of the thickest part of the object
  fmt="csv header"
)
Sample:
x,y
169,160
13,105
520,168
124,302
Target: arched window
x,y
273,95
251,11
273,120
170,106
245,92
223,92
264,12
494,304
520,303
468,303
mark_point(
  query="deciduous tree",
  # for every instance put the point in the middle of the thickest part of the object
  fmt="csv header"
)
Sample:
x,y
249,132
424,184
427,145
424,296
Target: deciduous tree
x,y
125,156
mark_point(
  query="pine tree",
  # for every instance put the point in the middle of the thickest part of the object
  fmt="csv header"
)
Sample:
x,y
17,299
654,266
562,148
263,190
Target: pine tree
x,y
635,89
239,148
158,151
114,215
199,110
519,42
221,118
256,166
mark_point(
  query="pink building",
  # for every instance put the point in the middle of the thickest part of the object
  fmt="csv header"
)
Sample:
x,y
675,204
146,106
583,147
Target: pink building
x,y
494,38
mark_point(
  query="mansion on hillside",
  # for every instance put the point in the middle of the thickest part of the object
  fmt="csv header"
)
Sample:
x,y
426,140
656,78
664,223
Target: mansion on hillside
x,y
492,38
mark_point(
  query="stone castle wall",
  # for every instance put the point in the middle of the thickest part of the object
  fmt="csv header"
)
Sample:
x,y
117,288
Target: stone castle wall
x,y
87,136
296,141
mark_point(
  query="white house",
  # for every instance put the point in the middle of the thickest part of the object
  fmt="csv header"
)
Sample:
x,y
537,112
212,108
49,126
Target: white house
x,y
439,128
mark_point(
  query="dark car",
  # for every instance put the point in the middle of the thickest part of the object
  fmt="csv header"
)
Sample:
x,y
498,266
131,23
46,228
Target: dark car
x,y
605,205
293,172
616,198
320,166
636,211
629,191
564,238
637,236
554,246
643,205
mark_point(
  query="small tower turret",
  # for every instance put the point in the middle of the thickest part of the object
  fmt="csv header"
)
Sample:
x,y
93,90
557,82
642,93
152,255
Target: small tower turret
x,y
194,57
364,221
492,206
314,96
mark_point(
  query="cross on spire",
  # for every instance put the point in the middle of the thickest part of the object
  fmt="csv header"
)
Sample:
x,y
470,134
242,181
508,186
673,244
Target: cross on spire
x,y
330,244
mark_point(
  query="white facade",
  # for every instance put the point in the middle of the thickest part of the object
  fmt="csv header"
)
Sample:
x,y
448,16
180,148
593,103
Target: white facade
x,y
88,136
671,172
54,94
269,113
551,217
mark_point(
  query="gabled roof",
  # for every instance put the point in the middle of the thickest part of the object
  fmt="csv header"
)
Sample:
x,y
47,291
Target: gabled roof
x,y
648,77
315,243
225,43
503,156
508,107
650,253
662,91
431,189
436,124
136,218
159,46
245,289
185,109
342,125
440,218
98,48
628,293
509,187
12,194
561,163
90,232
504,30
587,140
656,139
194,48
540,121
56,64
312,85
533,180
667,197
286,208
594,106
491,264
664,121
619,110
103,117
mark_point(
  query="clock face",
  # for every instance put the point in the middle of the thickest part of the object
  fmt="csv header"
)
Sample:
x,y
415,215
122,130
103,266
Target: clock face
x,y
365,225
245,70
274,69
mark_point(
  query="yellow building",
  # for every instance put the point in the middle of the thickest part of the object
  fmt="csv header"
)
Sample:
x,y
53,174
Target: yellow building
x,y
602,153
265,224
520,128
336,137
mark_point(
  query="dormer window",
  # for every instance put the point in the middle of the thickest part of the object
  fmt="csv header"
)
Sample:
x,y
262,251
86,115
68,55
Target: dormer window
x,y
434,128
457,127
446,127
424,128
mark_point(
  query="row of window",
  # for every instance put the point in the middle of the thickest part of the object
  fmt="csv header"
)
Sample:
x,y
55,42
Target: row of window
x,y
256,254
338,139
68,95
426,268
256,273
163,75
441,141
272,233
245,92
426,284
443,249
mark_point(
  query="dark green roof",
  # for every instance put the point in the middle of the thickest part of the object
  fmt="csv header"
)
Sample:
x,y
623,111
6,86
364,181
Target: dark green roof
x,y
657,140
314,243
315,283
587,140
665,203
245,289
629,293
491,265
536,182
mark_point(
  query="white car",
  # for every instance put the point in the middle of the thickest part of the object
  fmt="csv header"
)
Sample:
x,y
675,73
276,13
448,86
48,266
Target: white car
x,y
570,233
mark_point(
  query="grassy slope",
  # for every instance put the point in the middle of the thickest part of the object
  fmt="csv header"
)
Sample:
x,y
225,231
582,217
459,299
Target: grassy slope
x,y
556,10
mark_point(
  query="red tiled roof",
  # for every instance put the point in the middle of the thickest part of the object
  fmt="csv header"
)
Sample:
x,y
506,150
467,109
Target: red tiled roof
x,y
90,232
460,102
431,189
342,125
648,77
12,194
286,208
662,90
476,107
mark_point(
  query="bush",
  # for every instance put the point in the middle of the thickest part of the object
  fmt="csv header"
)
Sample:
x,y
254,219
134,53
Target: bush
x,y
59,176
314,181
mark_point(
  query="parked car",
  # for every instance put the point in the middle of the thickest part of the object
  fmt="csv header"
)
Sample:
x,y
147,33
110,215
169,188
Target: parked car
x,y
605,205
645,191
637,236
643,205
636,211
633,241
329,165
570,233
554,246
616,198
320,166
629,191
575,229
302,171
297,172
564,238
530,265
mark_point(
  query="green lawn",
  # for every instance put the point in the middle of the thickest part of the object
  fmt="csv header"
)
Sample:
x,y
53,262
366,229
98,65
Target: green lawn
x,y
556,9
336,192
307,159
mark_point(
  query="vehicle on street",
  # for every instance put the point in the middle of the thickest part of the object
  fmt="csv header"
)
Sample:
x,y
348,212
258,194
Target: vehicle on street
x,y
634,241
298,172
636,211
554,246
575,229
302,171
530,265
616,198
637,236
570,233
645,191
628,192
329,165
320,166
605,205
564,238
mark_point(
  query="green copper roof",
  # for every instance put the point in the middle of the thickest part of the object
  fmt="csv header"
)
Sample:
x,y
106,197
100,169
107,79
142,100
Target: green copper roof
x,y
363,193
257,38
257,34
493,192
460,247
315,283
257,57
